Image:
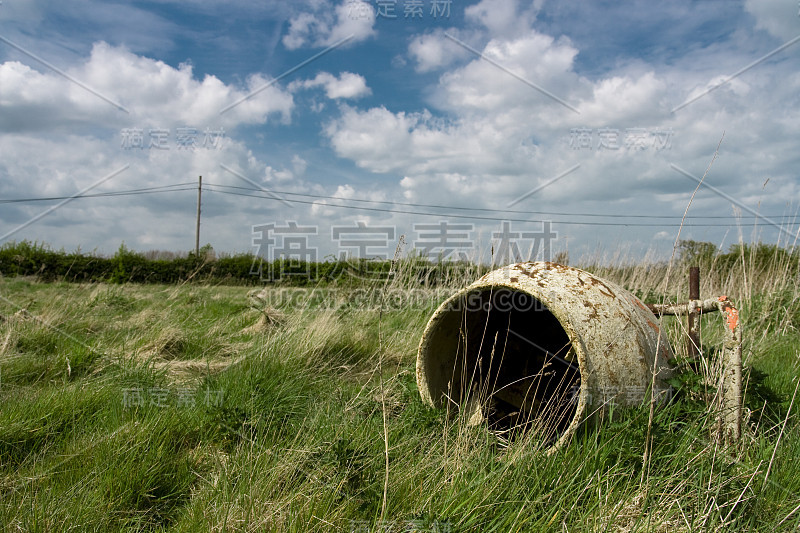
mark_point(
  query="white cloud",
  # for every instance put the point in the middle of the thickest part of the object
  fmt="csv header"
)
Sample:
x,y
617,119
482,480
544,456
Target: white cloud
x,y
382,141
623,99
481,137
489,133
321,27
58,138
369,137
435,50
347,85
778,17
299,165
323,207
277,175
154,93
320,207
503,17
503,137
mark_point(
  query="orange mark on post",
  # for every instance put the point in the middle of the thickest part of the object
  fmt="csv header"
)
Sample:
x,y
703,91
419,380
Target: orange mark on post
x,y
731,313
733,318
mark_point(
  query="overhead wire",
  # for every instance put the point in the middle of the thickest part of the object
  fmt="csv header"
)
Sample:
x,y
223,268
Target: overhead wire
x,y
474,217
129,192
484,209
234,190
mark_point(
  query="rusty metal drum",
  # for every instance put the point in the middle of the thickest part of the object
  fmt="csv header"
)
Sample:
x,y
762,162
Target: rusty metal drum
x,y
541,346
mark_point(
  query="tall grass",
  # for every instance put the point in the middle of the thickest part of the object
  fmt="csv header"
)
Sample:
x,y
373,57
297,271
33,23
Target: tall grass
x,y
196,408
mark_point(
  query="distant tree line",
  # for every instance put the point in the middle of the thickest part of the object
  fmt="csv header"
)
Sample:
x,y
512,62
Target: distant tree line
x,y
758,257
127,266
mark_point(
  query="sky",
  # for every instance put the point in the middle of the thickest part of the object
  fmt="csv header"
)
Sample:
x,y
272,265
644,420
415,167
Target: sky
x,y
494,129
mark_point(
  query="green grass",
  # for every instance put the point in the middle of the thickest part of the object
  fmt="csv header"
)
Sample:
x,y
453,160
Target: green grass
x,y
184,408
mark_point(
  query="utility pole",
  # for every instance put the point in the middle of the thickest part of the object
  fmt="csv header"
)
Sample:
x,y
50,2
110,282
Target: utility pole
x,y
197,230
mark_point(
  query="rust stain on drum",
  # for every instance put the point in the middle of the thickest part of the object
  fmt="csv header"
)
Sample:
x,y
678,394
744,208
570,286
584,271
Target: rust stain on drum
x,y
601,283
593,309
523,270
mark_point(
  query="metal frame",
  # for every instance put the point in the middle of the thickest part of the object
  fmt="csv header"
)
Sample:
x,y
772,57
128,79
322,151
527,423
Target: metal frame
x,y
729,390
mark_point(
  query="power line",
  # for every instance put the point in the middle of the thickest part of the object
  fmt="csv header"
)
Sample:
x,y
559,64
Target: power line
x,y
489,210
219,188
475,217
129,192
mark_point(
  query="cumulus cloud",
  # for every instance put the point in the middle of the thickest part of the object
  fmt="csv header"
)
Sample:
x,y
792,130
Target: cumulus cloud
x,y
153,93
625,99
503,17
483,86
356,135
347,85
503,136
323,27
415,143
506,18
435,50
778,17
299,165
323,207
479,137
59,138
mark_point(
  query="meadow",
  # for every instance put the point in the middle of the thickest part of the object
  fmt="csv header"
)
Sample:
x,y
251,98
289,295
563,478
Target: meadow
x,y
198,407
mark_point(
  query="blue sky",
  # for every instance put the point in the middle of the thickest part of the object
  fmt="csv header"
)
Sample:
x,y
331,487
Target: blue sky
x,y
577,108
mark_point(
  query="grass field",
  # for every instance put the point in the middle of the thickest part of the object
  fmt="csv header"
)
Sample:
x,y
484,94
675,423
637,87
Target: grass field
x,y
196,408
